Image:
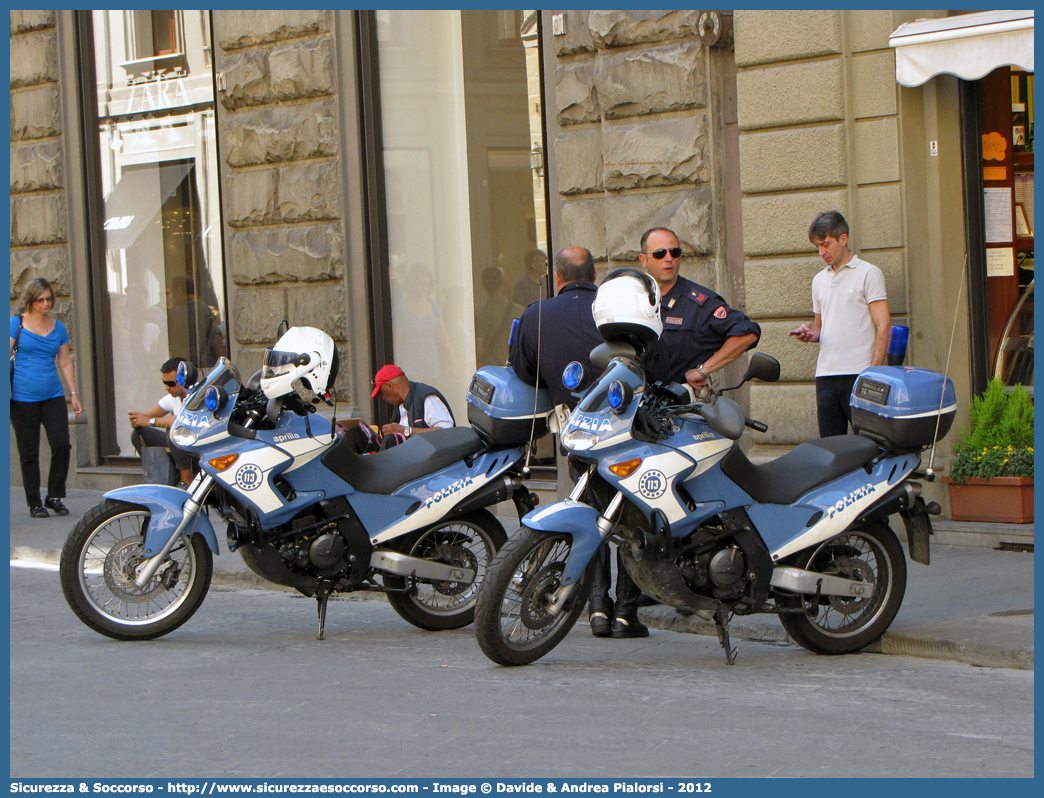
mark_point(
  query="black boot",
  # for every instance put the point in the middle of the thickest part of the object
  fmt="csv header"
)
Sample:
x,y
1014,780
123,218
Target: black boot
x,y
627,593
600,606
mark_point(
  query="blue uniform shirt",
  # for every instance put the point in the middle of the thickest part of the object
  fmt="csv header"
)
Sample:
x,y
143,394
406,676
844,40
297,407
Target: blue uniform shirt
x,y
36,374
696,323
567,333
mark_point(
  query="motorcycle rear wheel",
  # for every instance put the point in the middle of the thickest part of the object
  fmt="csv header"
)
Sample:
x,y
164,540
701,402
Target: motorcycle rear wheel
x,y
512,623
470,541
98,566
842,624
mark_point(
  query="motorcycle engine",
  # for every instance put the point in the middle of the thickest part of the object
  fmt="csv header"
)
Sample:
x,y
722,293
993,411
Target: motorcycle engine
x,y
706,564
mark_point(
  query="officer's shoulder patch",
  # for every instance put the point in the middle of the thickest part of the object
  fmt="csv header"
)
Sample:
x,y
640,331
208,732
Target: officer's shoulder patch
x,y
698,297
721,313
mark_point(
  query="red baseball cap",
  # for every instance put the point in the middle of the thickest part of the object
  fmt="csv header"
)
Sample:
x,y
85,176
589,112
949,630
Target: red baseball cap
x,y
386,374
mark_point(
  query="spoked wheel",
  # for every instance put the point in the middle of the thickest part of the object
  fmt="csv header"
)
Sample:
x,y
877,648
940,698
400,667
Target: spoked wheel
x,y
100,561
514,623
470,541
843,624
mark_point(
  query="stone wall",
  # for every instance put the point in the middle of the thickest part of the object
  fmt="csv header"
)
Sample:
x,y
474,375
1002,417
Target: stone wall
x,y
283,193
39,206
632,124
817,104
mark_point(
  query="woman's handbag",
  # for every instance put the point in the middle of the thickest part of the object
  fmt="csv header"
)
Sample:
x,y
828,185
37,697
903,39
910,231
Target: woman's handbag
x,y
14,349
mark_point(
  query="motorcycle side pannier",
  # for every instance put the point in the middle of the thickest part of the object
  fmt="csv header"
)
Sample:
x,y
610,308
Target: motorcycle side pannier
x,y
504,410
901,407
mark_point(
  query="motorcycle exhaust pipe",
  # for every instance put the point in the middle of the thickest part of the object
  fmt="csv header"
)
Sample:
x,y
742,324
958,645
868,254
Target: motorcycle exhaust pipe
x,y
495,492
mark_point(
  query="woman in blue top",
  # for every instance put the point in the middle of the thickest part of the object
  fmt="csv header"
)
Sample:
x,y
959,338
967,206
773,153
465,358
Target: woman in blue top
x,y
37,396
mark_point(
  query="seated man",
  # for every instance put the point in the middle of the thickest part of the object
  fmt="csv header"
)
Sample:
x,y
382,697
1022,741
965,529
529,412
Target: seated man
x,y
152,427
421,409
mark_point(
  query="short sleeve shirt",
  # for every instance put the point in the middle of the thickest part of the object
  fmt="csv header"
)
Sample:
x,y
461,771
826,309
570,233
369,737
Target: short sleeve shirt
x,y
36,374
171,404
842,300
696,324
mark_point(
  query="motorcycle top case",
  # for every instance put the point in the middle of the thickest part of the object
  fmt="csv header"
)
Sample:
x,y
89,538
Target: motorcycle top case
x,y
504,410
901,407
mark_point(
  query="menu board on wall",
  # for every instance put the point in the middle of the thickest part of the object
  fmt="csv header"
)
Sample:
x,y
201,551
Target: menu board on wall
x,y
998,216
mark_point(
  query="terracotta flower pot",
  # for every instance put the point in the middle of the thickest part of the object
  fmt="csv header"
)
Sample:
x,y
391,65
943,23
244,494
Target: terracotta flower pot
x,y
1001,500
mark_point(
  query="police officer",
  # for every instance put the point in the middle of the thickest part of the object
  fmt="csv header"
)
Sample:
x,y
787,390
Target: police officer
x,y
701,333
563,328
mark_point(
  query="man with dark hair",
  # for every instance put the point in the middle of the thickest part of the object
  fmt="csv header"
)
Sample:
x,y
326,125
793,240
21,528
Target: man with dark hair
x,y
152,428
701,333
554,332
852,321
527,287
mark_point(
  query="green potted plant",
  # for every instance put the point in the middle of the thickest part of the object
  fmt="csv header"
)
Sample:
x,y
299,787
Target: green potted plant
x,y
991,474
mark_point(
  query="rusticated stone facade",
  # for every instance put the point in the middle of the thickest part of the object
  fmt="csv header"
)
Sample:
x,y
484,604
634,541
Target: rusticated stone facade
x,y
282,204
39,209
817,109
634,136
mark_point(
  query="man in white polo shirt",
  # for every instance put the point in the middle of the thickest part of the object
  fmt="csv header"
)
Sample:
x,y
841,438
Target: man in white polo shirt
x,y
852,321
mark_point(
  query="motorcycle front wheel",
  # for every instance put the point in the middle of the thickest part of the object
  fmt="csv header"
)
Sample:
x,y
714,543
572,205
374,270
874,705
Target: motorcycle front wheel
x,y
513,623
100,561
470,541
844,624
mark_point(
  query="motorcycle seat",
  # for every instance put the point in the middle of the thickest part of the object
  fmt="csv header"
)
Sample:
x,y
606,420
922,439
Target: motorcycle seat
x,y
785,479
384,472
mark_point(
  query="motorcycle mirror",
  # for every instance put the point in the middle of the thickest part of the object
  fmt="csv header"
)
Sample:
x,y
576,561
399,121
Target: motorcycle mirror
x,y
603,353
284,325
762,367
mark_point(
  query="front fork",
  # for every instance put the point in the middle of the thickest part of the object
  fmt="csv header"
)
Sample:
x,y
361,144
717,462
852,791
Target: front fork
x,y
198,491
606,522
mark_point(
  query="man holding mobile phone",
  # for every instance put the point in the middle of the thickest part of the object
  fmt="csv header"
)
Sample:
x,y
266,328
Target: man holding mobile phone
x,y
852,321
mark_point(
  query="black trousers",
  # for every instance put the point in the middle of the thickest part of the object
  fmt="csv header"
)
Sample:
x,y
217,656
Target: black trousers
x,y
833,403
157,436
26,418
627,592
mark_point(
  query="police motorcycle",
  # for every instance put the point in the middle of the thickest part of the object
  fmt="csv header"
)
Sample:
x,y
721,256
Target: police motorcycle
x,y
301,507
702,528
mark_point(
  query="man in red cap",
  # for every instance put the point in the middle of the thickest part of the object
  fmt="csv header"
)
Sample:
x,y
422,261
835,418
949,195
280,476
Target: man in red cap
x,y
421,407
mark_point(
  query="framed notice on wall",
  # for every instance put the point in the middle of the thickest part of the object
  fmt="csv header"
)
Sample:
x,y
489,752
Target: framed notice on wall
x,y
998,215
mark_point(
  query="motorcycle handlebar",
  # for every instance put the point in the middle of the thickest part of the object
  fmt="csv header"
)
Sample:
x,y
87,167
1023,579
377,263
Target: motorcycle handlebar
x,y
756,425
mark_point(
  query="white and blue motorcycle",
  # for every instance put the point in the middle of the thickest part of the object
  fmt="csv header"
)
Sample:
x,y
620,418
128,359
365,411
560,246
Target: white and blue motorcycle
x,y
705,530
301,507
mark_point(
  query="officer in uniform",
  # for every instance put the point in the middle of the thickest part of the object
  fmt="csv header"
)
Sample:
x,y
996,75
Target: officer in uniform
x,y
701,333
563,328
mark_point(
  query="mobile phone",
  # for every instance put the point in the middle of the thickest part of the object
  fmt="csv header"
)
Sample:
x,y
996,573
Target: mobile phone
x,y
794,332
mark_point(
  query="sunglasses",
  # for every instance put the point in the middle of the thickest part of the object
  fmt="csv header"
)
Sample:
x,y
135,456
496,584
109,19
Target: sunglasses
x,y
170,383
660,254
44,299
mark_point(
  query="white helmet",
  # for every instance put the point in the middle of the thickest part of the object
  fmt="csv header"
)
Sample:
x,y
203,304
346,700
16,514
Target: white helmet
x,y
627,305
304,353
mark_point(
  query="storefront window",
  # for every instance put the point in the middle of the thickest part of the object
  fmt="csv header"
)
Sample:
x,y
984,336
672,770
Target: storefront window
x,y
163,267
461,202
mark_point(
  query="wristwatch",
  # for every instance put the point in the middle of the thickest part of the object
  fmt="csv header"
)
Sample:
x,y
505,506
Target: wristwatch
x,y
703,373
152,422
407,432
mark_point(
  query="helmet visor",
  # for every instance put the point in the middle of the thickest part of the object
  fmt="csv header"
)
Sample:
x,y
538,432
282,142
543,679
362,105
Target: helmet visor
x,y
275,364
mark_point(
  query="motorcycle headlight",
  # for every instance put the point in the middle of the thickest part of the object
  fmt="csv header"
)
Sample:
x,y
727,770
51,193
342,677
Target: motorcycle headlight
x,y
183,436
578,440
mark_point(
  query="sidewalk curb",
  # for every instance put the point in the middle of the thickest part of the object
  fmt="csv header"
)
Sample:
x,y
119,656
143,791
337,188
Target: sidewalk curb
x,y
665,618
893,643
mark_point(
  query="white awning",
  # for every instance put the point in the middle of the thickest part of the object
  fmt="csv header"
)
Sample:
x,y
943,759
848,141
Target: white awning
x,y
969,46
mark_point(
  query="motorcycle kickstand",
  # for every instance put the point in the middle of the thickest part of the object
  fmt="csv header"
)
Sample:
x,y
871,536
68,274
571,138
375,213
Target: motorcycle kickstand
x,y
721,621
322,596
